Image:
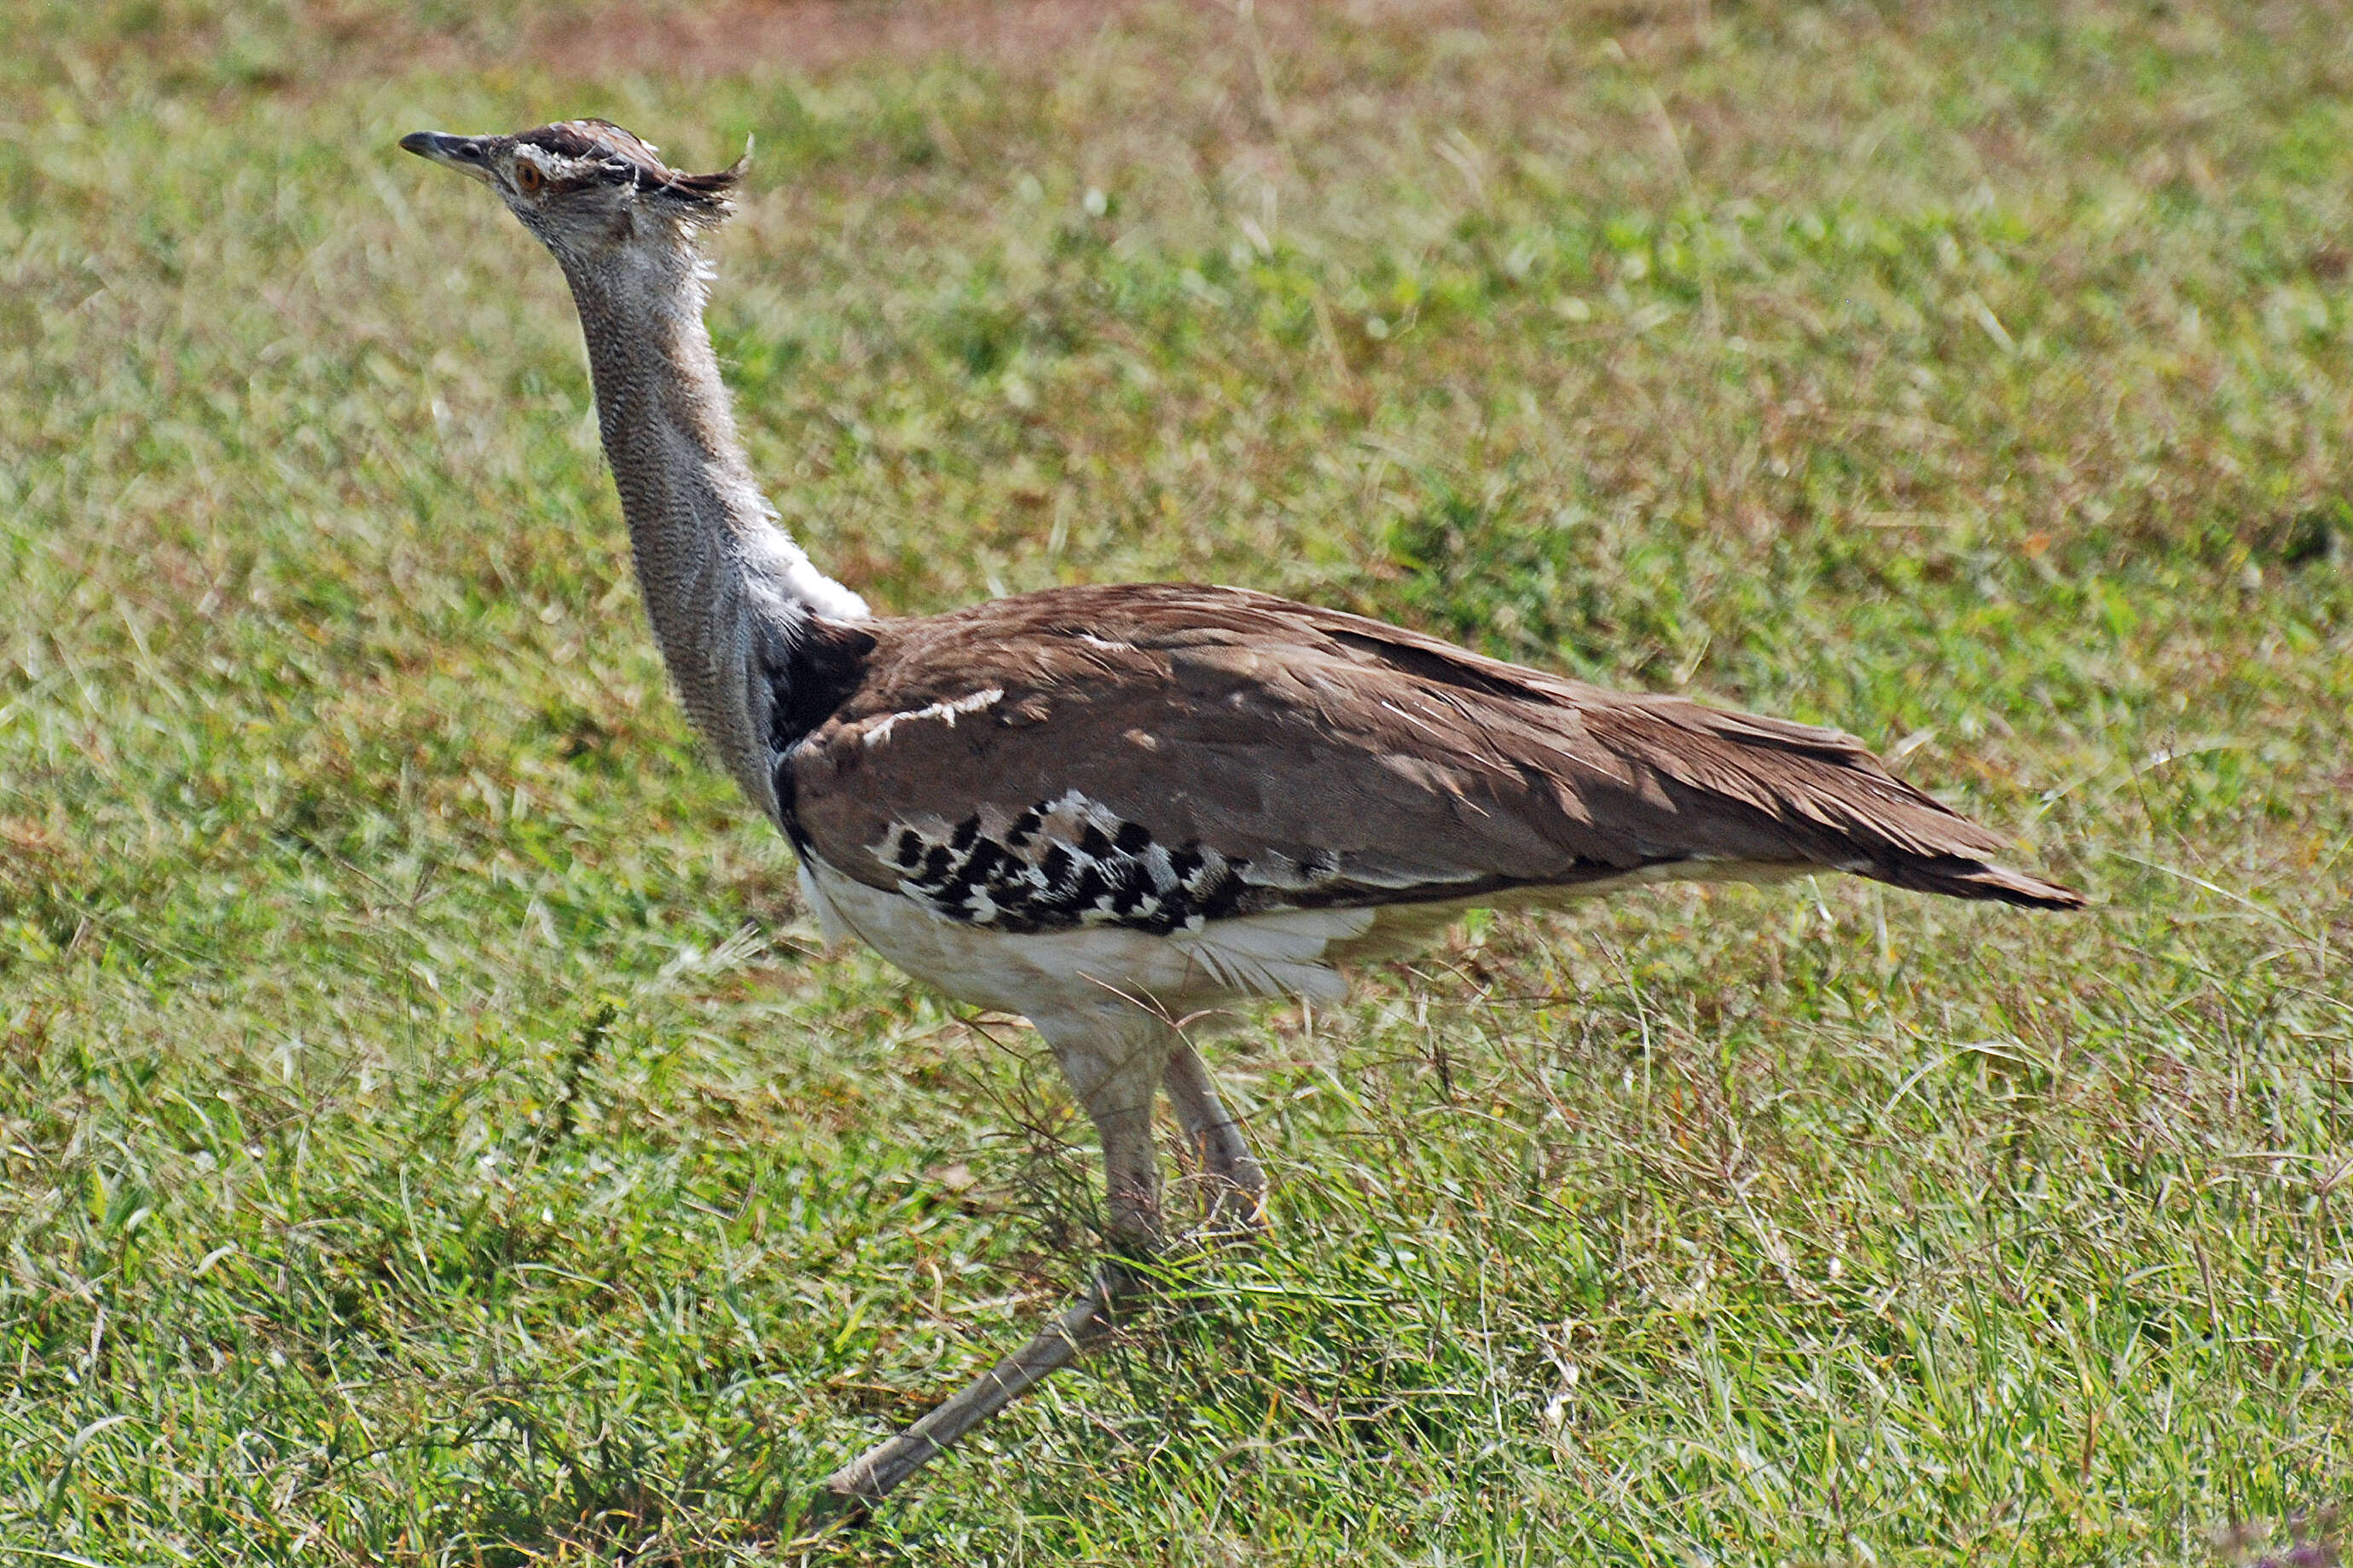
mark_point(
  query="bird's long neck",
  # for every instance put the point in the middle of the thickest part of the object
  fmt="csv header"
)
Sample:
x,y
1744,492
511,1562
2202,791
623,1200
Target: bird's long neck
x,y
730,596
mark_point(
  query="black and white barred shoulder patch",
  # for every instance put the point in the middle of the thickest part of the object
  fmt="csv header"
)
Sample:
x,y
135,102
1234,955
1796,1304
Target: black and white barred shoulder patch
x,y
1071,862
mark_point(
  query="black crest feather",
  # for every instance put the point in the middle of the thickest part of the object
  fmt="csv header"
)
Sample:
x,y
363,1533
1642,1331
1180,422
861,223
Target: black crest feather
x,y
625,156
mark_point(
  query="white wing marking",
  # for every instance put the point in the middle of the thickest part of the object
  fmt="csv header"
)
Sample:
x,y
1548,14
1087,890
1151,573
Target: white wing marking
x,y
879,730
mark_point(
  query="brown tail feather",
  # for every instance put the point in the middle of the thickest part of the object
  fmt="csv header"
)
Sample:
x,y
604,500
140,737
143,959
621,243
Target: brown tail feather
x,y
1963,878
1821,793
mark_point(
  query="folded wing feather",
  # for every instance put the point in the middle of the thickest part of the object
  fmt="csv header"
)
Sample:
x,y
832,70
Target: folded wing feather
x,y
1166,756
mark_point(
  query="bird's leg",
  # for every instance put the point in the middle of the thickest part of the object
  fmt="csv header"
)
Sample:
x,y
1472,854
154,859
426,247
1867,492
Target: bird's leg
x,y
1236,1184
1113,1072
1078,1328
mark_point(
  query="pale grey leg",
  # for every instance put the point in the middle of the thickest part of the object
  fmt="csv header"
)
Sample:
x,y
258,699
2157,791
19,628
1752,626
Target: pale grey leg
x,y
1236,1184
1114,1071
1081,1326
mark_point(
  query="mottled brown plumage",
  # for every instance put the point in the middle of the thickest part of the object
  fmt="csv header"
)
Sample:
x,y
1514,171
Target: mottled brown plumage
x,y
1416,770
1110,807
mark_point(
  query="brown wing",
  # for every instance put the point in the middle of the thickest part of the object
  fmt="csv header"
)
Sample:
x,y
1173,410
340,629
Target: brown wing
x,y
1164,755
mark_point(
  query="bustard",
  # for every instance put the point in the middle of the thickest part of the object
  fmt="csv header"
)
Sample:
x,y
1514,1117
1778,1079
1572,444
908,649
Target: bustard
x,y
1108,808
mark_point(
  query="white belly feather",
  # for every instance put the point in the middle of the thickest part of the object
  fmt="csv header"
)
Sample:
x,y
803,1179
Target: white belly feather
x,y
1281,953
1285,953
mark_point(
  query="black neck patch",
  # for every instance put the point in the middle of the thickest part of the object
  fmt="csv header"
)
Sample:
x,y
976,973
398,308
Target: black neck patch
x,y
819,669
809,678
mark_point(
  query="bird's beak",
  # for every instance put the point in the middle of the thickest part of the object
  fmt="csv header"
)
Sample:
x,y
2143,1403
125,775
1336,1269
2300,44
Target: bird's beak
x,y
463,154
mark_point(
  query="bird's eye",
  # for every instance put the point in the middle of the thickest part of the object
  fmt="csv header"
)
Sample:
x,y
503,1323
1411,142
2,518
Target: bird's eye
x,y
528,179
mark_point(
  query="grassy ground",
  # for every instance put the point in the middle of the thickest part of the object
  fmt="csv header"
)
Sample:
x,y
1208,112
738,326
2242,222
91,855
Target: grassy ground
x,y
431,1130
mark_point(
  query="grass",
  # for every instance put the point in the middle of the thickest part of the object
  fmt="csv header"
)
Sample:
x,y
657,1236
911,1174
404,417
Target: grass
x,y
431,1132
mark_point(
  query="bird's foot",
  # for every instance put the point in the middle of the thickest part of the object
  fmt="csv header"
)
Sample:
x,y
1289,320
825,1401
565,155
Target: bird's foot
x,y
1234,1210
826,1512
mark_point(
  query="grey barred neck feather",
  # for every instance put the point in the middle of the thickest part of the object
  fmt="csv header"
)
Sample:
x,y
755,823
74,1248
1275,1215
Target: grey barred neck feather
x,y
1110,808
730,596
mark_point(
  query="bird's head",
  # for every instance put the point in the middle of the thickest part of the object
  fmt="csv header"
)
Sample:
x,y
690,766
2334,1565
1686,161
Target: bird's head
x,y
587,188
